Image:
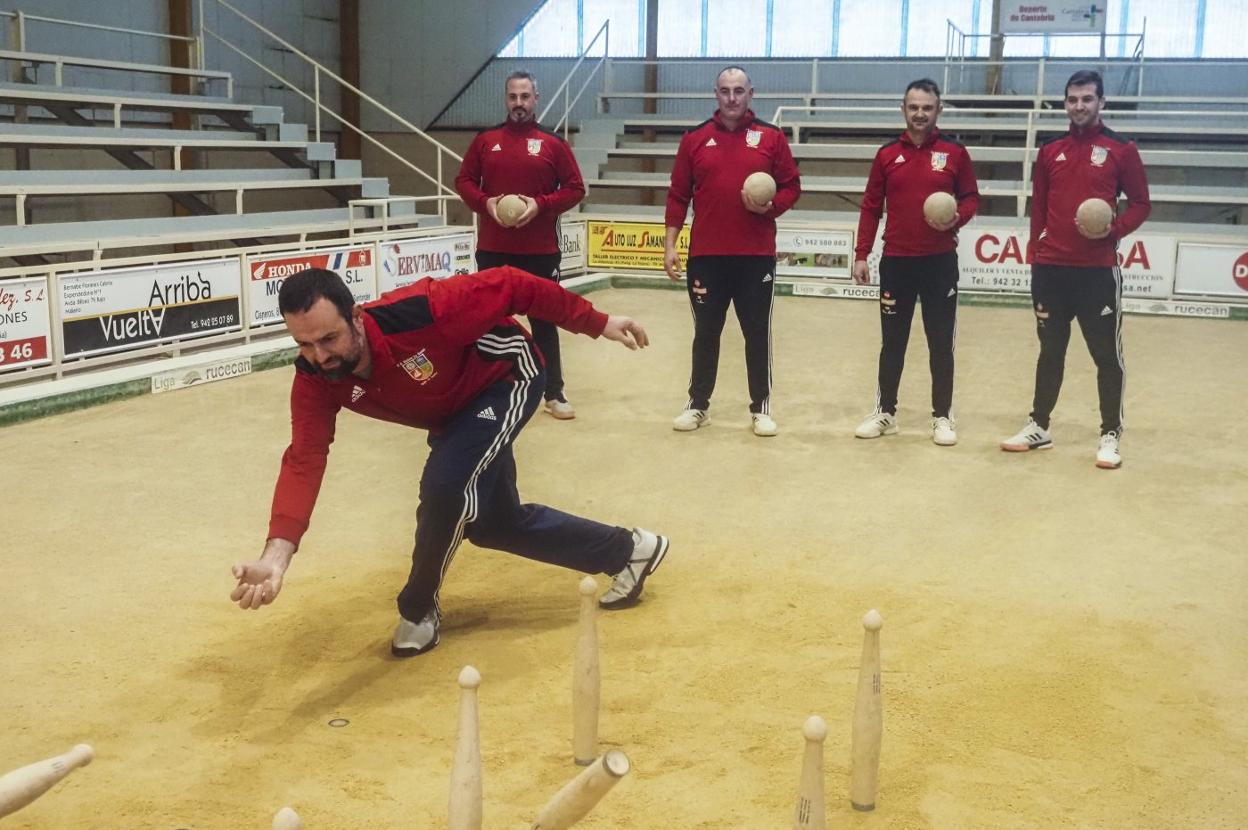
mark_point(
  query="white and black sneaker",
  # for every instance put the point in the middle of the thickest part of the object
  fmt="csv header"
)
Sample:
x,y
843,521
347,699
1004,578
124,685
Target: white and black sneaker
x,y
1031,437
876,424
560,409
944,432
412,638
1108,454
648,551
691,419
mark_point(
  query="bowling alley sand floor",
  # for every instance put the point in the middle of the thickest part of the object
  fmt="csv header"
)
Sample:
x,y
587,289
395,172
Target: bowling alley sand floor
x,y
1062,646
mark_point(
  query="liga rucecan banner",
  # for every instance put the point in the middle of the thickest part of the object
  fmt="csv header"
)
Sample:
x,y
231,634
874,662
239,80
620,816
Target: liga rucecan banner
x,y
266,273
407,260
634,246
25,333
112,310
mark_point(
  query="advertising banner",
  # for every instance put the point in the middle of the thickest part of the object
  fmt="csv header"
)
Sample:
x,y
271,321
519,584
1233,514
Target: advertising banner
x,y
572,245
266,273
833,289
1052,18
1213,269
25,334
208,373
634,246
995,259
407,260
108,311
819,254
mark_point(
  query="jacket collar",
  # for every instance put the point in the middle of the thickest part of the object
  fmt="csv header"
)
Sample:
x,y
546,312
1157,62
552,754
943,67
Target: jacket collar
x,y
1089,133
747,120
927,142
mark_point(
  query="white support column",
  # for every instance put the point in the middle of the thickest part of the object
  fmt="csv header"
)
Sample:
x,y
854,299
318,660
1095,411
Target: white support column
x,y
238,201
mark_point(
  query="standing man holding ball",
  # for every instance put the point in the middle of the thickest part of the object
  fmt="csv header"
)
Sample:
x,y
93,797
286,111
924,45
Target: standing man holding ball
x,y
520,177
1074,272
929,189
732,247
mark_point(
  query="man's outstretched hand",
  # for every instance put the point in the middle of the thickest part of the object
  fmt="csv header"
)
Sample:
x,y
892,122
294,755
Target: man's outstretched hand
x,y
260,580
626,330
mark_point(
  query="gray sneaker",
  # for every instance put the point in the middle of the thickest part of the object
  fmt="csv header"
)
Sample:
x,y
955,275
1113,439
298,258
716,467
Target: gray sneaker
x,y
648,551
412,638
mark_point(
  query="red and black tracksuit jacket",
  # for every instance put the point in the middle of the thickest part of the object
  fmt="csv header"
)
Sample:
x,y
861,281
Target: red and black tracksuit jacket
x,y
903,175
711,166
1094,163
525,159
435,346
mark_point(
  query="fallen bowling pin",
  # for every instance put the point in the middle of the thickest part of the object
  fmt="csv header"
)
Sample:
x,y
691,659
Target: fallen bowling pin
x,y
22,786
578,796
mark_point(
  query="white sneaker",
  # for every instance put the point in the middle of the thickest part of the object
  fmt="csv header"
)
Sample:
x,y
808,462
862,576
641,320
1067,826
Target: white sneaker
x,y
764,425
943,432
412,638
561,409
1031,437
648,551
1107,455
691,419
877,424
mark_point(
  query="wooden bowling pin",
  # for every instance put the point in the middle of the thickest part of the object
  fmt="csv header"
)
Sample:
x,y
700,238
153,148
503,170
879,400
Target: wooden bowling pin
x,y
578,796
586,680
811,806
465,805
868,718
22,786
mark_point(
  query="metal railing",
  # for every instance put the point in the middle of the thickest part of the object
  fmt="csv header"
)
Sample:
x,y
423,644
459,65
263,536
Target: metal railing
x,y
18,35
604,31
319,107
956,41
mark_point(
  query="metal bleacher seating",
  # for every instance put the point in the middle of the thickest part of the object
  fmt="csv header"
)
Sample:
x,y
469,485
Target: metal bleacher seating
x,y
81,143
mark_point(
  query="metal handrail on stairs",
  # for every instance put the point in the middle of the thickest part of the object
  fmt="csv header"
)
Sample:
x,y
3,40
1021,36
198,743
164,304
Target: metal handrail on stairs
x,y
318,70
604,31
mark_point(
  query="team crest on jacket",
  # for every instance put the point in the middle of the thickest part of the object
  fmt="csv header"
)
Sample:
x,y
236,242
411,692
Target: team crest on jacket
x,y
939,160
1099,154
420,368
535,146
752,137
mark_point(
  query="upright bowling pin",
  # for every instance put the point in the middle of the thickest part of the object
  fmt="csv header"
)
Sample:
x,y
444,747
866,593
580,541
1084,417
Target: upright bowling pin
x,y
22,786
586,680
868,718
287,819
578,796
811,809
465,806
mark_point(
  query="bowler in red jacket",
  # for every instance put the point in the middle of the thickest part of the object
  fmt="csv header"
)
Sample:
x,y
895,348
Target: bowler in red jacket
x,y
732,244
920,260
445,356
1074,271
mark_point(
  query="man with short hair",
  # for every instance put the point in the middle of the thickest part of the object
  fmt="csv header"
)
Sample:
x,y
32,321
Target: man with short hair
x,y
920,260
444,356
1074,272
732,247
523,158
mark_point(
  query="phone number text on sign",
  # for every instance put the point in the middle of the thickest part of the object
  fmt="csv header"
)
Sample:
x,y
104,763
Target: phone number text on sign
x,y
24,328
